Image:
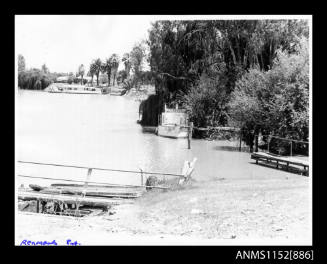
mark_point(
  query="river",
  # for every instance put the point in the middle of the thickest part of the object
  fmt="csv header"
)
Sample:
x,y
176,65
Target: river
x,y
101,131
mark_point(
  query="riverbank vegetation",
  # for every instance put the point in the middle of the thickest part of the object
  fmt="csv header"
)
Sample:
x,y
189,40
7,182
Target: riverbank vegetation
x,y
39,79
251,74
244,73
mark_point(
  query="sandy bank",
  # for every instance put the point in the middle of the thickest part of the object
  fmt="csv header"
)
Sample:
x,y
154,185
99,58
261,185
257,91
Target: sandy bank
x,y
221,211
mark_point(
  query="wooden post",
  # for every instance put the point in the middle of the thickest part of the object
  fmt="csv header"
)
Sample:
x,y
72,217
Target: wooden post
x,y
268,143
291,148
256,143
240,147
89,171
141,177
37,205
190,128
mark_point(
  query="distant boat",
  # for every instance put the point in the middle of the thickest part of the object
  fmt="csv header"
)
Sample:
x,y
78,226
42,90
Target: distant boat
x,y
76,89
173,123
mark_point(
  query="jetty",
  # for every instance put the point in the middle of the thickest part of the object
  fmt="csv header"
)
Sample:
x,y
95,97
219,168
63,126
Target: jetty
x,y
281,162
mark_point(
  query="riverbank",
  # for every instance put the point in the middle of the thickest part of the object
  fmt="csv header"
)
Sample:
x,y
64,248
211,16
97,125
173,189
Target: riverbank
x,y
262,209
231,197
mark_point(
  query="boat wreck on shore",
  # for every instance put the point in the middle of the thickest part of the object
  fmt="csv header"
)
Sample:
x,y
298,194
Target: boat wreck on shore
x,y
82,199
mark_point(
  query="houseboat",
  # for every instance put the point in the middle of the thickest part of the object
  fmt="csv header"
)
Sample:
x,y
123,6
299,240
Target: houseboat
x,y
76,89
173,123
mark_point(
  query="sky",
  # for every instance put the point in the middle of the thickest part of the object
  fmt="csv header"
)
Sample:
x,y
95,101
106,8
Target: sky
x,y
63,42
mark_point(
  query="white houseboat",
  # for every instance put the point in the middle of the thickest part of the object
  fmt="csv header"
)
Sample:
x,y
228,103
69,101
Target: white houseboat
x,y
173,123
77,89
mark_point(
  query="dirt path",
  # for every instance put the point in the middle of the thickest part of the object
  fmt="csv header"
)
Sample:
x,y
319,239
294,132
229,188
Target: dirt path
x,y
268,210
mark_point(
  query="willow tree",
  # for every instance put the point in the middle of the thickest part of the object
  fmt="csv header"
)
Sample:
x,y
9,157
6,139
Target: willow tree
x,y
186,54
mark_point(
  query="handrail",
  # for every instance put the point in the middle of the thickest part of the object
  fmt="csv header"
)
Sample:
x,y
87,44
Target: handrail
x,y
286,139
104,169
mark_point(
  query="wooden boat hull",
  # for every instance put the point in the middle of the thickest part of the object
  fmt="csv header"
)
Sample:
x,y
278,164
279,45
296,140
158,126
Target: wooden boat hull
x,y
149,129
172,131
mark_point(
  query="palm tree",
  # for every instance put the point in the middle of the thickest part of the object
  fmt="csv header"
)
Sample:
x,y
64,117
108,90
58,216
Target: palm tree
x,y
97,68
81,71
127,63
107,66
115,64
92,71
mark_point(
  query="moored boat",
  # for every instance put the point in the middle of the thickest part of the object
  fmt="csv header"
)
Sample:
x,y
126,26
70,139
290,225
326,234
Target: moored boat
x,y
173,123
77,89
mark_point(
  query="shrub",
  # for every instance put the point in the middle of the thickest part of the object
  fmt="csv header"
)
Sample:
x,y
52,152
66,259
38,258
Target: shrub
x,y
276,101
206,102
34,79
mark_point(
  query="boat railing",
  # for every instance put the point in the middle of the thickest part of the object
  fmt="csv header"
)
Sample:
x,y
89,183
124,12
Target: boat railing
x,y
90,169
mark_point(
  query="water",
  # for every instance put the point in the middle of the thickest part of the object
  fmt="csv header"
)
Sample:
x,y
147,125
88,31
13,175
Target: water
x,y
101,131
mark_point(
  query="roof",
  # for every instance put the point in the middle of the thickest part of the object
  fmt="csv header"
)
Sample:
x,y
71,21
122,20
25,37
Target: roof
x,y
63,78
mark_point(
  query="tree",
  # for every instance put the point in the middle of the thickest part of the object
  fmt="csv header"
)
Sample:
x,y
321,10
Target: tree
x,y
21,63
81,72
127,63
137,56
92,71
107,67
97,64
183,50
45,69
34,79
275,101
122,76
114,66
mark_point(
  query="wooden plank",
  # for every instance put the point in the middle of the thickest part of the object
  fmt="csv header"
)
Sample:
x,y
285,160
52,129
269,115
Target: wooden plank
x,y
90,201
280,159
269,159
81,191
187,170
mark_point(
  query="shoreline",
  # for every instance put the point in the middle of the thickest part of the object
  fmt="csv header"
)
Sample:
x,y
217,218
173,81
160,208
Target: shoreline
x,y
228,209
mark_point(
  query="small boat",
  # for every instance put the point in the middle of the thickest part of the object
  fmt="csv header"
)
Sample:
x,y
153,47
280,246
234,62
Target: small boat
x,y
173,123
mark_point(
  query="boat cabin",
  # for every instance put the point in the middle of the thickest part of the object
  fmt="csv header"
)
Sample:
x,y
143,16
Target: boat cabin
x,y
173,116
173,123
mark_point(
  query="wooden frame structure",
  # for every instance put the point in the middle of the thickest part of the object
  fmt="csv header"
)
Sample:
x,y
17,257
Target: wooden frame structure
x,y
84,196
278,160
